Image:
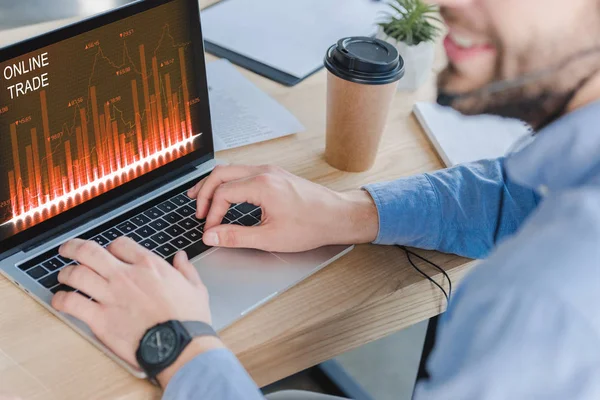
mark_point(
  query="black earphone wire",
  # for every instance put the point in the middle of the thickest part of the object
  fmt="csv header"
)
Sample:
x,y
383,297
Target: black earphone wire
x,y
409,253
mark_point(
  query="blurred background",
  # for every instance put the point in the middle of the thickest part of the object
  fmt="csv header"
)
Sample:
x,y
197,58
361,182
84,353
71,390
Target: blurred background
x,y
15,13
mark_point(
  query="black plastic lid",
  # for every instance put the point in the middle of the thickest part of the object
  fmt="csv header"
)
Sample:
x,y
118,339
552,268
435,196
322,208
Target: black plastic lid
x,y
365,60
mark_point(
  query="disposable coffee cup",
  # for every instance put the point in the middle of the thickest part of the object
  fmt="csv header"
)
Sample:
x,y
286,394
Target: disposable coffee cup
x,y
363,74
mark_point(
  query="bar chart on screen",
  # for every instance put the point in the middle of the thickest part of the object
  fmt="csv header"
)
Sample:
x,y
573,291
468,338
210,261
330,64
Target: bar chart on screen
x,y
134,115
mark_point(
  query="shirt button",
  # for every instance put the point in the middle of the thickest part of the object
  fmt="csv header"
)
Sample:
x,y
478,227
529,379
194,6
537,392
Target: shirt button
x,y
543,190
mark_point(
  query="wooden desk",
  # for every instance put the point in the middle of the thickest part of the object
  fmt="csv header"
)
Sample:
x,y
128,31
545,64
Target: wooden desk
x,y
366,295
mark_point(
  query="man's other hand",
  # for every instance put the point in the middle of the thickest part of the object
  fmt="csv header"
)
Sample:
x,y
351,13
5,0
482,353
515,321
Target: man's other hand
x,y
297,215
133,290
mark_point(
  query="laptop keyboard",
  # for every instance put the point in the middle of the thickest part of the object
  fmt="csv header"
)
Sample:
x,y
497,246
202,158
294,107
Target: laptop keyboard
x,y
164,228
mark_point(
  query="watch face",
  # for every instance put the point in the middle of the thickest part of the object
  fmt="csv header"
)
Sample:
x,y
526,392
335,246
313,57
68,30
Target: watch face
x,y
159,345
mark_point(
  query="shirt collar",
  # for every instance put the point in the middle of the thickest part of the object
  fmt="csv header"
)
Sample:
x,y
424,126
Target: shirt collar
x,y
563,155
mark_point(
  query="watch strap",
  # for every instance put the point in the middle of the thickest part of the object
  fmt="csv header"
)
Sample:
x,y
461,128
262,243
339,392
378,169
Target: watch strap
x,y
198,329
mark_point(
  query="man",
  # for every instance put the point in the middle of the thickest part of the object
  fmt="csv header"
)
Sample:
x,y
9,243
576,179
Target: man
x,y
524,324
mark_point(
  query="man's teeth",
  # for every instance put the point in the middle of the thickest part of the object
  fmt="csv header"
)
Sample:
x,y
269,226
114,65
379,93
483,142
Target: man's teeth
x,y
462,41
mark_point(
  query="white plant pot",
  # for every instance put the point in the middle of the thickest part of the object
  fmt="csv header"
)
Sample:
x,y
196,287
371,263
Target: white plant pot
x,y
418,61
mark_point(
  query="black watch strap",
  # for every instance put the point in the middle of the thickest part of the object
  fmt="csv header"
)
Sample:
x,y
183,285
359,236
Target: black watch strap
x,y
198,329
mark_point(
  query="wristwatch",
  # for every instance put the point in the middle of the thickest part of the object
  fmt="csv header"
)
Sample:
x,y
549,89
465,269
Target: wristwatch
x,y
162,344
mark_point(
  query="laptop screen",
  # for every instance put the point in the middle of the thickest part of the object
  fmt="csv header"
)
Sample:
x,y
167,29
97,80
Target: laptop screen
x,y
99,109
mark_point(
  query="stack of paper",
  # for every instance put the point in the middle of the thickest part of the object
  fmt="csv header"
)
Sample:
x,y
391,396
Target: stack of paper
x,y
241,113
459,139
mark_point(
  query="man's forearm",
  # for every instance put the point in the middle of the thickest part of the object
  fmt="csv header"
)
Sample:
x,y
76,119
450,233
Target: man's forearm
x,y
458,210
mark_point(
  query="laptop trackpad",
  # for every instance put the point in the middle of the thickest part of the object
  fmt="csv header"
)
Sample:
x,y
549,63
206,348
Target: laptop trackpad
x,y
240,280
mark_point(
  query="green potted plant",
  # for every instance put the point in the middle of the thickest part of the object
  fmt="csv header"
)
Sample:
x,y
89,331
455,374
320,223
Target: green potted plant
x,y
412,26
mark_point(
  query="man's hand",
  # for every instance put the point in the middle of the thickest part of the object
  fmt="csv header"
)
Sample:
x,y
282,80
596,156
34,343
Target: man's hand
x,y
298,215
133,290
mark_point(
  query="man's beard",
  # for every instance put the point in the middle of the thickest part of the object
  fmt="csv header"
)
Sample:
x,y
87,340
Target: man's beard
x,y
537,98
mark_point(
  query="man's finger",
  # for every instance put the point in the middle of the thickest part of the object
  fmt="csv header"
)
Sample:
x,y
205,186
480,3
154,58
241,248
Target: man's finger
x,y
240,191
221,174
78,306
127,250
193,192
183,265
91,254
235,236
85,280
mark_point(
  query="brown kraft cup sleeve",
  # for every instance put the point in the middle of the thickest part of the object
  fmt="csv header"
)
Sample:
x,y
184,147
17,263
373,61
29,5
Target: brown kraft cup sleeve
x,y
356,119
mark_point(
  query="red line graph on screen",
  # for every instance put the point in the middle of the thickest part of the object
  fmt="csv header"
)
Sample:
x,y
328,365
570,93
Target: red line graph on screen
x,y
101,148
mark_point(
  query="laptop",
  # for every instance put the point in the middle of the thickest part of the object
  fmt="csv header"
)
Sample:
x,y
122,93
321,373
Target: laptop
x,y
105,125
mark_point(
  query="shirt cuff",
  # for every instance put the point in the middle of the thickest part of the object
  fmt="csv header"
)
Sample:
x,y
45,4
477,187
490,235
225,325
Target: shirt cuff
x,y
216,374
408,210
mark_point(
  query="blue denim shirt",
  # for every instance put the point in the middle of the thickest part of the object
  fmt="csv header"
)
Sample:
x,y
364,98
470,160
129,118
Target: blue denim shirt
x,y
525,323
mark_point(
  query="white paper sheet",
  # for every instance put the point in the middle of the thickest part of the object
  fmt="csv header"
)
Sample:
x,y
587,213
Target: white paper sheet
x,y
291,36
241,113
459,139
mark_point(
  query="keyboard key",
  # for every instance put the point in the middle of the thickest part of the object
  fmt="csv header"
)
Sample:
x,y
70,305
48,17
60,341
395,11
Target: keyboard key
x,y
193,236
188,224
64,260
100,240
180,200
193,250
186,211
180,242
136,238
225,221
37,272
127,227
167,206
112,234
149,244
197,221
140,220
145,231
161,238
257,213
233,214
62,288
248,220
86,236
175,230
38,260
173,218
154,213
159,224
237,223
165,250
245,208
53,264
50,281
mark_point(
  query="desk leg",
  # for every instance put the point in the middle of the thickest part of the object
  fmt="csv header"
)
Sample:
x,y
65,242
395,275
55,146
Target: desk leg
x,y
430,337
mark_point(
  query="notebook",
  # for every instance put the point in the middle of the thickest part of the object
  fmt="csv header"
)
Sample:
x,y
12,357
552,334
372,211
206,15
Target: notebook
x,y
459,139
285,40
